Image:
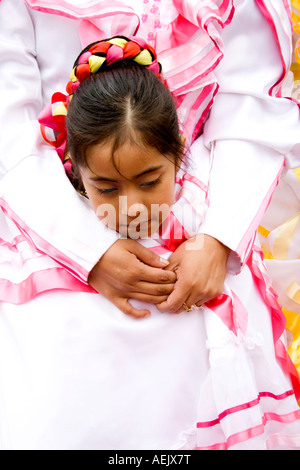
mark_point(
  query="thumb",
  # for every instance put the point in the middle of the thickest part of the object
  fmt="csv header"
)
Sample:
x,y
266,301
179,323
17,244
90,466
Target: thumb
x,y
176,299
148,257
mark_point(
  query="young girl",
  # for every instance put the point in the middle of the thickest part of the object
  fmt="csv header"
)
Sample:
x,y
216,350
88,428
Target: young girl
x,y
216,377
234,86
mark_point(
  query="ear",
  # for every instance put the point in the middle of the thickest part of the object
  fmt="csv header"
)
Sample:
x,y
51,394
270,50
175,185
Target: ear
x,y
183,138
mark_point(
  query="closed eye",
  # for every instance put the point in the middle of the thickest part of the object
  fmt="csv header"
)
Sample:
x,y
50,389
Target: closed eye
x,y
150,183
106,191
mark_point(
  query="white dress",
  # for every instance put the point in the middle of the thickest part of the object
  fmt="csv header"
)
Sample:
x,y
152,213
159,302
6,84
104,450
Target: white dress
x,y
75,372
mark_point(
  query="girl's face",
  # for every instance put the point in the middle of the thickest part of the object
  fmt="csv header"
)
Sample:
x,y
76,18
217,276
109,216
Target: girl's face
x,y
133,193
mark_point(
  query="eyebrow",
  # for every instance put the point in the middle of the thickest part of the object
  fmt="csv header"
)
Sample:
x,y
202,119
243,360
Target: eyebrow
x,y
149,170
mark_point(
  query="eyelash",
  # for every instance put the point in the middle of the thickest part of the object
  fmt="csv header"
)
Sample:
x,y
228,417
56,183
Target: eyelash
x,y
144,185
106,191
151,183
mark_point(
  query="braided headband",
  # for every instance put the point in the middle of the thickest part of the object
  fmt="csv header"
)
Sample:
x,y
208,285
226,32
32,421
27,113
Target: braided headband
x,y
90,61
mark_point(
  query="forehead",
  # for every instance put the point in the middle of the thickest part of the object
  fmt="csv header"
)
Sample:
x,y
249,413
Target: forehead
x,y
127,161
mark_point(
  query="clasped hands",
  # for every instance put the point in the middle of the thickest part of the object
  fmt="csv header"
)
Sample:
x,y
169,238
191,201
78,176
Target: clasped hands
x,y
194,274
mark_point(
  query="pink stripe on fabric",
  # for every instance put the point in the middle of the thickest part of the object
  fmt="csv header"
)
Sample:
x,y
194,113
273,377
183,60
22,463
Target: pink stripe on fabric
x,y
262,280
255,222
203,68
240,314
43,245
244,406
209,52
289,13
12,246
268,16
91,9
219,10
281,396
38,283
204,114
226,10
287,418
235,409
191,179
191,123
172,232
159,250
273,441
195,181
222,306
236,438
257,430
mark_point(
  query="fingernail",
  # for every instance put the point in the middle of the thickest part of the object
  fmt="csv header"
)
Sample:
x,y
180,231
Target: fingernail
x,y
164,261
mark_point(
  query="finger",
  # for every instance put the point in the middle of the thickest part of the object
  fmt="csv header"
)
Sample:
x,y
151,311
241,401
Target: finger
x,y
125,306
154,289
155,275
148,257
165,307
145,279
176,299
151,299
206,296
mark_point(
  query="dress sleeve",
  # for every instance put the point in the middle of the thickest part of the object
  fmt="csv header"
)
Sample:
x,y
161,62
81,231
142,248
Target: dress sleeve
x,y
34,190
254,131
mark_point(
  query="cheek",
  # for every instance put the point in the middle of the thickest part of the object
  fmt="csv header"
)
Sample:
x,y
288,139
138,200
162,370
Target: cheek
x,y
160,204
106,211
168,193
95,199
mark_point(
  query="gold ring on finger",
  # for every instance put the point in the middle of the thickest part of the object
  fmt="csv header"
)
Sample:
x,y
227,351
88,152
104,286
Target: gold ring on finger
x,y
198,307
187,308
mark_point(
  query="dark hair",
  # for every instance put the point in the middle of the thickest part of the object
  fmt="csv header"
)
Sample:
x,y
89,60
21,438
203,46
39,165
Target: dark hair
x,y
123,101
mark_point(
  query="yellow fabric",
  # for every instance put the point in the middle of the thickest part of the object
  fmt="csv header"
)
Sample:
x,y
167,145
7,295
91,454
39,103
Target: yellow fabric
x,y
73,76
296,4
297,173
118,42
95,63
60,110
293,327
263,231
144,58
284,238
293,292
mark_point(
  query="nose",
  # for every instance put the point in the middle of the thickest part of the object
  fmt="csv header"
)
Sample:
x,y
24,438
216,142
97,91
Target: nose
x,y
130,207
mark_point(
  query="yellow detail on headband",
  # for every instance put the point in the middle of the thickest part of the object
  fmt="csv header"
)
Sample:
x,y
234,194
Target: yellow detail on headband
x,y
144,58
60,110
95,63
118,42
73,76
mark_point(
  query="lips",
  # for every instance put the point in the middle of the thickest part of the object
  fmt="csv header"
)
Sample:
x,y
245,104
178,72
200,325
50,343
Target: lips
x,y
139,229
